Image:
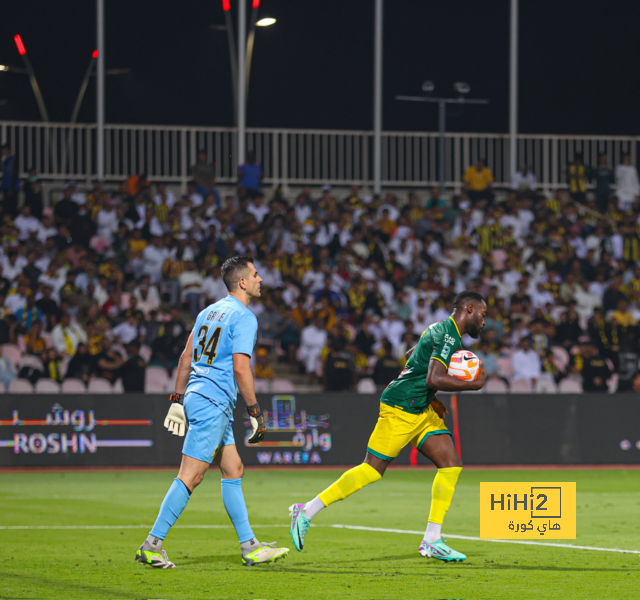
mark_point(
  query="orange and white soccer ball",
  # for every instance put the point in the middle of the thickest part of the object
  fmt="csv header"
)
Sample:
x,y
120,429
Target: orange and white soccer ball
x,y
464,365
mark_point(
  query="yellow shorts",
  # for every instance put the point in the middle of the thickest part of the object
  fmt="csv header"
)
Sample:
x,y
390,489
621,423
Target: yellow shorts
x,y
397,428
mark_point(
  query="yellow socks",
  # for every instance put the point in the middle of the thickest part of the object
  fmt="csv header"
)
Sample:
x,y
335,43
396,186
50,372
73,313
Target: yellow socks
x,y
353,480
444,485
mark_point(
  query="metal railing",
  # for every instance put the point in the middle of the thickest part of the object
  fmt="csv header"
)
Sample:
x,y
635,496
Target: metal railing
x,y
61,151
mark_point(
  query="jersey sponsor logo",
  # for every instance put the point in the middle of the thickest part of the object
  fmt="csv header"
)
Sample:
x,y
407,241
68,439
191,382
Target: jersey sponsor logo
x,y
445,351
449,340
201,370
405,371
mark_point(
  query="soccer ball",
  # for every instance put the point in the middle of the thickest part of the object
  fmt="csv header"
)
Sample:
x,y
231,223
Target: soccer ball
x,y
464,365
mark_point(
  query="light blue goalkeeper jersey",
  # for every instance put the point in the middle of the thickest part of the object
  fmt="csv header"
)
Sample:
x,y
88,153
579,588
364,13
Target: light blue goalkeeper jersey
x,y
221,330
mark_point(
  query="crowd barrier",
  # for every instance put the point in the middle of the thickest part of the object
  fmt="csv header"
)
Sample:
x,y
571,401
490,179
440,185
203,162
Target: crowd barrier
x,y
320,429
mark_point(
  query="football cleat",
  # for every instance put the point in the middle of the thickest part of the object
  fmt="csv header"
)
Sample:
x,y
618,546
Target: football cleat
x,y
265,553
147,556
299,525
440,551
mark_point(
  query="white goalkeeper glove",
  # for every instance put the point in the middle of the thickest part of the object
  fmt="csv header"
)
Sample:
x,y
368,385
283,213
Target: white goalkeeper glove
x,y
176,420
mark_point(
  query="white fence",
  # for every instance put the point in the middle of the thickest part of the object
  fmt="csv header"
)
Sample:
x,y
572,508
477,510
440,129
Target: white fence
x,y
60,151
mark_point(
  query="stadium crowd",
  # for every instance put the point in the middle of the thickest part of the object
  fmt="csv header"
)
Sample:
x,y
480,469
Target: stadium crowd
x,y
105,283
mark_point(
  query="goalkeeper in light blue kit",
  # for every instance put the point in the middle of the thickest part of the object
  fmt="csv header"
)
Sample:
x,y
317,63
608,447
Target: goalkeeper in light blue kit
x,y
212,368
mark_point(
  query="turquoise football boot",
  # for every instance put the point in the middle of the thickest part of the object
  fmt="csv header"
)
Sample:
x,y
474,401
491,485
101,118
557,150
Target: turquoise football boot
x,y
440,551
299,525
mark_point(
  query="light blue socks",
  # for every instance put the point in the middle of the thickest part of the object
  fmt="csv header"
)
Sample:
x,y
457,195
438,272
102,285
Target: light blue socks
x,y
236,508
178,496
170,509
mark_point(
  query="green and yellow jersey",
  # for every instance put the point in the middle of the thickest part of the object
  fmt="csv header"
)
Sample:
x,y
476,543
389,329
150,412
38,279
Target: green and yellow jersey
x,y
409,390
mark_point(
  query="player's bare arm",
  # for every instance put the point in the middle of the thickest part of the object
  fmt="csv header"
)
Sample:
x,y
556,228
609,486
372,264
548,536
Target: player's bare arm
x,y
439,379
184,366
244,379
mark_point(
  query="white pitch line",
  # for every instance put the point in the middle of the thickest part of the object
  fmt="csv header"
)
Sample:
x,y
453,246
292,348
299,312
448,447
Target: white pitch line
x,y
477,539
336,526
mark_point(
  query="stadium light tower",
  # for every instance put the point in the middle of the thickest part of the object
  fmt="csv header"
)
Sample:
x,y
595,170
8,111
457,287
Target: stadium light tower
x,y
428,88
241,58
22,51
513,89
100,89
377,98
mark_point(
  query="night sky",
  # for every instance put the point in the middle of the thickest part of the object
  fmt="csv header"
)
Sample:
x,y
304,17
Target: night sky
x,y
314,68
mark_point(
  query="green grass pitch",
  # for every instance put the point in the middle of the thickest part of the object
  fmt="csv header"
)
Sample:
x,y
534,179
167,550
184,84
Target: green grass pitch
x,y
336,563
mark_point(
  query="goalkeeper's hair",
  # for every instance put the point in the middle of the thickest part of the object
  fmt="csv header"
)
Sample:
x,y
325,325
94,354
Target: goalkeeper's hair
x,y
232,270
467,297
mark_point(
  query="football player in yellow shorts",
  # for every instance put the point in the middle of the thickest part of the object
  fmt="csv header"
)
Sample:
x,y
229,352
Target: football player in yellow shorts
x,y
411,413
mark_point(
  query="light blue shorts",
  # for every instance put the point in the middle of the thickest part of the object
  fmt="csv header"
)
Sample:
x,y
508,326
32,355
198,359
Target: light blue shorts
x,y
210,427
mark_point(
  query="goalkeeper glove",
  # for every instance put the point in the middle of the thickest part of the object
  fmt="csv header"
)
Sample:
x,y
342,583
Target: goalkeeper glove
x,y
257,423
176,420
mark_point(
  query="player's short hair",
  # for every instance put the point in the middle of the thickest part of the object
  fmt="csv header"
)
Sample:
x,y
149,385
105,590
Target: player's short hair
x,y
465,297
231,270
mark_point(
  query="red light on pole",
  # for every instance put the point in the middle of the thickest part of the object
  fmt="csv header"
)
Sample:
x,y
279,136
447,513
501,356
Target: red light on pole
x,y
256,3
226,5
95,54
18,40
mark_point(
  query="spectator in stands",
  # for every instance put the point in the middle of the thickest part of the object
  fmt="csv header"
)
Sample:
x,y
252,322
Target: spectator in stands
x,y
6,370
387,367
622,315
568,330
526,362
339,370
52,365
312,340
203,174
33,340
401,307
250,176
66,210
289,335
213,286
595,371
577,175
489,358
132,371
586,300
550,367
17,297
263,370
478,181
66,336
33,193
82,366
393,328
191,283
604,179
524,180
627,183
269,322
170,342
109,361
257,208
627,363
129,331
613,294
147,295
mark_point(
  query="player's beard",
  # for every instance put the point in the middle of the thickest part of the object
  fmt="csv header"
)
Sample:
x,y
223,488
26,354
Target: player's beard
x,y
475,328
